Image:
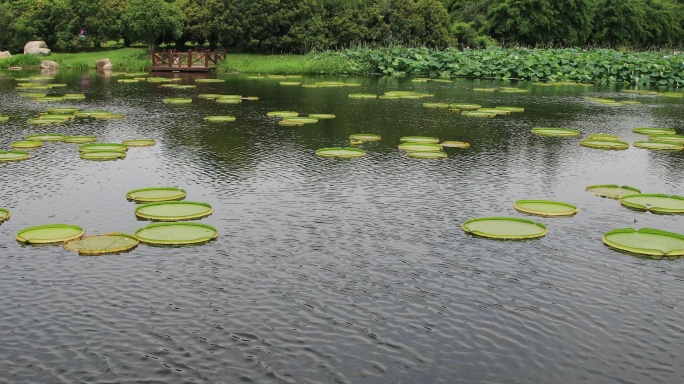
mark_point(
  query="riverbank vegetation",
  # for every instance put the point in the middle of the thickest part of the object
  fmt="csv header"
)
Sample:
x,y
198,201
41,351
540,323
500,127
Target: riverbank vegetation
x,y
302,26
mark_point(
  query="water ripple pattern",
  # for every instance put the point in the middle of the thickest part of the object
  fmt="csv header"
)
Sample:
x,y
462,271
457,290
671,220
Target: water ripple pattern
x,y
339,271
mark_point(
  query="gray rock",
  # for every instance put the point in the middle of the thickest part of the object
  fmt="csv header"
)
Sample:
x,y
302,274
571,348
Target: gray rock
x,y
48,64
5,55
100,64
36,48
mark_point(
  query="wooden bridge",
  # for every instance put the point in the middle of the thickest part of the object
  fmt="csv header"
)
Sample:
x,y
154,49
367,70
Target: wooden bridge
x,y
190,61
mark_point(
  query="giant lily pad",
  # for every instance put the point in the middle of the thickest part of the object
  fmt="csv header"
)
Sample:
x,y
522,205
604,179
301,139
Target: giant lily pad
x,y
155,194
612,191
103,155
603,136
4,214
455,144
409,146
604,144
177,100
362,96
646,241
426,154
82,139
103,147
497,227
419,139
654,131
51,233
102,244
560,132
545,207
282,114
662,145
340,152
179,233
654,202
220,119
46,137
6,156
679,139
139,142
364,137
30,144
173,210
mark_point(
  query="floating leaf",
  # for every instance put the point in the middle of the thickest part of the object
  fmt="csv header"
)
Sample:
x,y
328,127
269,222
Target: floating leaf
x,y
364,137
173,210
102,244
646,241
654,202
426,154
155,194
340,152
419,139
7,156
612,191
51,233
604,144
220,119
179,233
545,207
30,144
559,132
512,228
139,142
455,144
660,145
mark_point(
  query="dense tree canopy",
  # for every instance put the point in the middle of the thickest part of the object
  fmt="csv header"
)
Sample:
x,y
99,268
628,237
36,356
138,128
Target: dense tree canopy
x,y
305,25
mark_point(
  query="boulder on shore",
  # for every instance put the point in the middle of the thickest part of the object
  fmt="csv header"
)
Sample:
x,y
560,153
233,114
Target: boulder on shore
x,y
101,64
5,55
36,48
48,64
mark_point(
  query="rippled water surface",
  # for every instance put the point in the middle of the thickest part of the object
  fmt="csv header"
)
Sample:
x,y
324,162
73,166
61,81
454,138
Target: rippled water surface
x,y
339,271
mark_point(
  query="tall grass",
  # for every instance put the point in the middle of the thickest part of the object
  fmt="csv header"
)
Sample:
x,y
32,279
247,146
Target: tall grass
x,y
313,63
124,59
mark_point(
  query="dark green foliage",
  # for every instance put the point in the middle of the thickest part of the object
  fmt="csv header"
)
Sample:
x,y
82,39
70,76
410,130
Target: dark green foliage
x,y
147,20
596,66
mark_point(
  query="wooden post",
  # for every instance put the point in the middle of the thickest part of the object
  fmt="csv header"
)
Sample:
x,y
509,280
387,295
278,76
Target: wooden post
x,y
154,58
206,59
170,56
189,58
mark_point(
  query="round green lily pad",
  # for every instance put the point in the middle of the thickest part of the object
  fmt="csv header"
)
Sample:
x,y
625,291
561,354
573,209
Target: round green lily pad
x,y
46,137
220,119
511,109
80,139
497,227
364,137
6,156
107,116
604,144
4,214
455,144
545,207
654,202
51,233
155,194
103,147
476,114
340,152
466,107
4,118
64,110
103,155
173,210
303,120
139,142
612,191
27,144
419,139
662,145
654,131
420,147
322,116
209,80
646,241
102,244
178,233
495,111
603,136
282,114
670,138
177,100
87,113
560,132
426,154
436,105
363,96
290,123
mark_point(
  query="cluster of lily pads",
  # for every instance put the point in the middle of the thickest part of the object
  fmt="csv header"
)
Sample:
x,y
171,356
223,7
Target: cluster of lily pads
x,y
646,241
296,119
421,147
475,110
161,204
658,138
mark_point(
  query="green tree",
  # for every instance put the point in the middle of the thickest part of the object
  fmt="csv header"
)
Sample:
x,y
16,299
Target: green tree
x,y
44,20
7,41
97,17
147,20
203,21
541,22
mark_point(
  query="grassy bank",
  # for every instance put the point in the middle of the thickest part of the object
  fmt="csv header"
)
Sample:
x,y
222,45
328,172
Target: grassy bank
x,y
138,59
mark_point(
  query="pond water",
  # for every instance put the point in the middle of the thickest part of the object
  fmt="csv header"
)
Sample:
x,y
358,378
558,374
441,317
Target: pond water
x,y
339,271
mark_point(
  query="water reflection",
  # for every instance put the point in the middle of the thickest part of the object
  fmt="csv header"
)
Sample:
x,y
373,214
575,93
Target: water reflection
x,y
339,271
